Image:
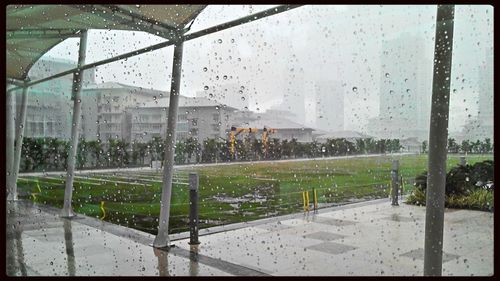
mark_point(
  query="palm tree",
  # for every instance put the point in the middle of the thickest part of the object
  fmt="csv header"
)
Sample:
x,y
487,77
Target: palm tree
x,y
361,146
453,146
192,146
139,151
295,148
466,146
486,146
81,155
94,148
286,148
180,152
209,150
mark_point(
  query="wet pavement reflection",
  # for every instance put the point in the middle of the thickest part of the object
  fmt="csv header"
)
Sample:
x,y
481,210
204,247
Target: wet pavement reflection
x,y
363,239
40,243
68,239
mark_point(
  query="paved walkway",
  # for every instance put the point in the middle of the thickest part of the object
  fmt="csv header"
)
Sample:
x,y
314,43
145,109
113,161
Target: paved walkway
x,y
369,238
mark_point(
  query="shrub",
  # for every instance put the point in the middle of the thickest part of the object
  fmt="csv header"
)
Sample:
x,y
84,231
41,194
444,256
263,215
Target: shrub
x,y
458,180
421,181
417,197
467,187
463,179
482,172
479,199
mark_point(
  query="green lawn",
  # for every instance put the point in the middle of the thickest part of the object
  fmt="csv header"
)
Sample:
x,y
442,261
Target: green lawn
x,y
136,203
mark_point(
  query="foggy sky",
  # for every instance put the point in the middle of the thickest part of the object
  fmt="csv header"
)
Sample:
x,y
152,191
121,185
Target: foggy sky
x,y
298,47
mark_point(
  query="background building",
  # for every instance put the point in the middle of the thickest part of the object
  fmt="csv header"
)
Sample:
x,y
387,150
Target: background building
x,y
50,108
231,94
103,108
329,97
405,90
199,118
481,127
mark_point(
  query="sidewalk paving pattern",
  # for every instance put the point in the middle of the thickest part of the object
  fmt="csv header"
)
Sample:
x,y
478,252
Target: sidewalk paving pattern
x,y
361,239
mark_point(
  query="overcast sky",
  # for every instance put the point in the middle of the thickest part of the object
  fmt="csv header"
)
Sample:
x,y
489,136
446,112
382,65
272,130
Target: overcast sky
x,y
299,46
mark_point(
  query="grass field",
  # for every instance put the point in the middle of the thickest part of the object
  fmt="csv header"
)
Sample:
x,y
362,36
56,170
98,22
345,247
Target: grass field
x,y
228,193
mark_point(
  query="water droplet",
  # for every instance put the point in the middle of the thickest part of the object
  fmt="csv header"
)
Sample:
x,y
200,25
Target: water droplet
x,y
354,89
242,98
220,41
205,69
206,88
387,75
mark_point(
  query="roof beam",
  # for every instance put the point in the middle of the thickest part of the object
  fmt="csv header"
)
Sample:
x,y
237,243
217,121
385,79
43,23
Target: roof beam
x,y
44,33
16,82
240,21
187,37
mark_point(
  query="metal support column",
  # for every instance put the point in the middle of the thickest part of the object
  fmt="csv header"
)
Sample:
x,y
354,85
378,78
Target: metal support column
x,y
438,136
193,209
19,138
463,162
162,239
9,149
395,182
77,108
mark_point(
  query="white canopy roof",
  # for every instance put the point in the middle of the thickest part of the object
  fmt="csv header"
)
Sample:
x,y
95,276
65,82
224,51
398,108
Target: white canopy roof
x,y
32,30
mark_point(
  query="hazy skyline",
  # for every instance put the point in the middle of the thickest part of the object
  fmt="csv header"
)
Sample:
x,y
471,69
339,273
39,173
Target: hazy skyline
x,y
307,44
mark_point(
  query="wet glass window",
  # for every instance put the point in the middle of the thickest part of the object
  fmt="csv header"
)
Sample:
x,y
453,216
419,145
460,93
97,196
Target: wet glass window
x,y
299,144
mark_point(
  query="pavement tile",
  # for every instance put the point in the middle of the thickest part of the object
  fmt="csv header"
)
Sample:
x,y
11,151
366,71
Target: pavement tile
x,y
331,248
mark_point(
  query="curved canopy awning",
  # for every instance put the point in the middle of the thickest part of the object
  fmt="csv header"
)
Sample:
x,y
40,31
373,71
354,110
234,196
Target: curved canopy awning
x,y
34,30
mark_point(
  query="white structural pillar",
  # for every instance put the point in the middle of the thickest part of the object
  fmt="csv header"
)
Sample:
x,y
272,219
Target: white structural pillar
x,y
77,108
438,138
9,143
162,240
19,138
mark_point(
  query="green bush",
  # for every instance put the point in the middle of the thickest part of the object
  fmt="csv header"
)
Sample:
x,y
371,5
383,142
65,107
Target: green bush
x,y
458,181
417,197
478,199
482,172
462,179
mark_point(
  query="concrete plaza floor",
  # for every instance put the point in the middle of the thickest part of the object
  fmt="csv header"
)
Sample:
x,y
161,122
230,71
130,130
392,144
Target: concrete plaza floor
x,y
362,239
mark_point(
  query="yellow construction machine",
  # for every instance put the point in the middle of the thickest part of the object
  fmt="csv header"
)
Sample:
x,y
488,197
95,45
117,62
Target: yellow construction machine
x,y
236,131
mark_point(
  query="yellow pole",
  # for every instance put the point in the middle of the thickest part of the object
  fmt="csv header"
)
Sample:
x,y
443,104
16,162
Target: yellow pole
x,y
103,211
307,200
231,138
304,200
315,199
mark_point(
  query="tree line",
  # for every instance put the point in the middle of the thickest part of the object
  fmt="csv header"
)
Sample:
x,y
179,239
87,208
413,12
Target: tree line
x,y
466,146
47,154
